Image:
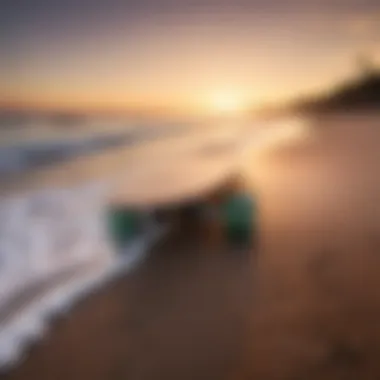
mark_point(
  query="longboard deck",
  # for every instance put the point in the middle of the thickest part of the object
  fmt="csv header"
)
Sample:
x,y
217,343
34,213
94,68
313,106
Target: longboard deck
x,y
173,184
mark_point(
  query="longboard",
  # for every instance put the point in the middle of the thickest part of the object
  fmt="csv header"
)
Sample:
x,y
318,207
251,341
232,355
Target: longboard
x,y
175,187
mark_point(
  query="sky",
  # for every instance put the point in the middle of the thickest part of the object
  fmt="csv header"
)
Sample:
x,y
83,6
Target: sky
x,y
182,55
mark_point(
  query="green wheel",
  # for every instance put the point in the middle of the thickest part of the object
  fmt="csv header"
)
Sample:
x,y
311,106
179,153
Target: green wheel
x,y
123,225
238,218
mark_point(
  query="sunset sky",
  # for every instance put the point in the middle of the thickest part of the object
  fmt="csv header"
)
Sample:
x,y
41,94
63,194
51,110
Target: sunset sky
x,y
178,54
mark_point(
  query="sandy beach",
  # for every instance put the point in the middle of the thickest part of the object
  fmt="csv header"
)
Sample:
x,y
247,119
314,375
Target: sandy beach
x,y
303,304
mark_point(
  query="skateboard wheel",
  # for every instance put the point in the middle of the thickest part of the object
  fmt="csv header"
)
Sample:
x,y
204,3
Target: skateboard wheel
x,y
123,225
238,218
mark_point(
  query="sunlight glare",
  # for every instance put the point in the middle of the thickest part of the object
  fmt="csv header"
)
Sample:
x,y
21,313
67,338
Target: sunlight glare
x,y
227,103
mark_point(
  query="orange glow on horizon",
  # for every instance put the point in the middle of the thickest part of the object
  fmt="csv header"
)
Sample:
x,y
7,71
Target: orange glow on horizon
x,y
219,103
228,102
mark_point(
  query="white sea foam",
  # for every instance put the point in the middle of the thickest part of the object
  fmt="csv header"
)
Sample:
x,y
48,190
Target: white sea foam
x,y
42,236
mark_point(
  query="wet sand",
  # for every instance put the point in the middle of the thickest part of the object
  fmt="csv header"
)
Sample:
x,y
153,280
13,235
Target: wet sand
x,y
181,315
317,308
304,306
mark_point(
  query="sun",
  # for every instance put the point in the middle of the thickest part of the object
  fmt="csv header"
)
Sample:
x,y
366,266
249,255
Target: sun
x,y
227,103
